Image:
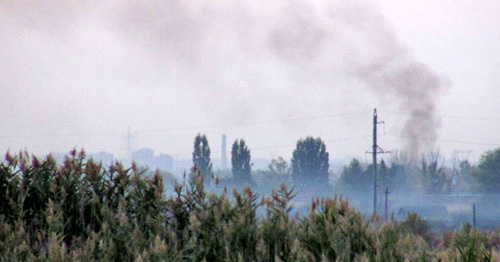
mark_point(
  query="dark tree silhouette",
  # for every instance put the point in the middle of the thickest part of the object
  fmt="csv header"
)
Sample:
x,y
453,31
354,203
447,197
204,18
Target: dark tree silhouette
x,y
310,162
201,156
240,161
487,174
434,177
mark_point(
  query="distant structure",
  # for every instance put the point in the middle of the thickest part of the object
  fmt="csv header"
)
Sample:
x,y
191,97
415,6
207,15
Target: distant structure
x,y
128,140
223,152
164,162
145,157
107,159
104,157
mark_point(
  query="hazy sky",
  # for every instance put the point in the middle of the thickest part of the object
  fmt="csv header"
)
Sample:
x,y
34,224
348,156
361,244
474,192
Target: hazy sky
x,y
80,73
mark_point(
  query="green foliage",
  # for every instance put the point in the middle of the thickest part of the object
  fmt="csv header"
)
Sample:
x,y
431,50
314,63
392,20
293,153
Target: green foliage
x,y
487,174
434,177
84,212
355,178
310,162
333,231
471,245
240,161
395,177
415,225
279,167
388,244
201,156
278,173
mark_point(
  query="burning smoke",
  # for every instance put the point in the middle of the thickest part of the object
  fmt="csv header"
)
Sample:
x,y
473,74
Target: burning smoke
x,y
317,36
254,58
415,87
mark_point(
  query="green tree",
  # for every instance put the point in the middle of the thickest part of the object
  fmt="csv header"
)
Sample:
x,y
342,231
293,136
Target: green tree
x,y
393,177
310,162
201,156
434,177
278,173
486,176
279,167
240,161
384,176
355,178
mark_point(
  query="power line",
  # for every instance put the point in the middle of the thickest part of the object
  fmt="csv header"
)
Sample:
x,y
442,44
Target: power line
x,y
283,146
452,116
447,140
106,133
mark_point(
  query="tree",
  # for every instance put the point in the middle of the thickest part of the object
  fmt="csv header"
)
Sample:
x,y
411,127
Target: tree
x,y
240,161
393,177
355,178
434,178
384,176
201,156
278,173
486,176
310,162
279,167
462,179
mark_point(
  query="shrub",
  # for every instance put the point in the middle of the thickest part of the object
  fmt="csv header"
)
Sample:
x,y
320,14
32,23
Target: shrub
x,y
471,245
81,211
415,225
334,231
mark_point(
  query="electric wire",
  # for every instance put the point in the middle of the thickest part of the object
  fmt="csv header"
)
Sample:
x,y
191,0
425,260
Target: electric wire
x,y
104,133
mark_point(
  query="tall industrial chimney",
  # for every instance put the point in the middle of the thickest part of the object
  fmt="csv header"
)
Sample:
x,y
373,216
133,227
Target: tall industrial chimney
x,y
223,152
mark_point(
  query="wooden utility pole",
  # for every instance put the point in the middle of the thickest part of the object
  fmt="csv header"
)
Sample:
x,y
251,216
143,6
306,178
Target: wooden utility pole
x,y
374,156
375,150
474,214
386,193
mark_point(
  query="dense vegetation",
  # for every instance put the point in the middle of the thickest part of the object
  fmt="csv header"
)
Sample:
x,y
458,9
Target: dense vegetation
x,y
82,211
309,166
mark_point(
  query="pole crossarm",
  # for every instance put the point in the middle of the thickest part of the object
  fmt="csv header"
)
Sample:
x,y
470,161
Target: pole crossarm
x,y
379,151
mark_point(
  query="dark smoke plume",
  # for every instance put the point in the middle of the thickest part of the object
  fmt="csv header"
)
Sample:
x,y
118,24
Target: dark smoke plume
x,y
245,59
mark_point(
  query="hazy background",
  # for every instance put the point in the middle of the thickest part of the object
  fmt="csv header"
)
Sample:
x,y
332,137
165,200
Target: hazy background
x,y
80,73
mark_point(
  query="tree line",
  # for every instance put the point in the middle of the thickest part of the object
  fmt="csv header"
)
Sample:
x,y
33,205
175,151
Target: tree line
x,y
310,166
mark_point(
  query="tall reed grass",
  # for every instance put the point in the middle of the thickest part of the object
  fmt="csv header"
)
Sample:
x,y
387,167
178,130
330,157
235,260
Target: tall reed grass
x,y
82,211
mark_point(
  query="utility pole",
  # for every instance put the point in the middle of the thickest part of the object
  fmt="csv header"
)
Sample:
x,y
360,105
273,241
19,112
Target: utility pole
x,y
375,150
223,152
386,193
129,145
474,214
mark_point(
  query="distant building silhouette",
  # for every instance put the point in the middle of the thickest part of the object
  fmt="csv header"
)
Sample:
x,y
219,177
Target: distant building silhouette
x,y
104,157
145,157
223,152
164,162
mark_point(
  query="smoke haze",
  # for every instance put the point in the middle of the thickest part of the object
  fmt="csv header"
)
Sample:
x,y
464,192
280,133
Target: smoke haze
x,y
97,66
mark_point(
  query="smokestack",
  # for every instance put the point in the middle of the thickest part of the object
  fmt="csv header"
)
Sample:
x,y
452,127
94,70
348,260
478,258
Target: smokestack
x,y
223,152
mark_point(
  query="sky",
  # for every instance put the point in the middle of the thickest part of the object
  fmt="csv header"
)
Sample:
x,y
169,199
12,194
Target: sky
x,y
82,74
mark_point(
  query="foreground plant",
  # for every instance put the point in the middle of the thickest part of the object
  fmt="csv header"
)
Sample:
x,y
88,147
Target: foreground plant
x,y
81,211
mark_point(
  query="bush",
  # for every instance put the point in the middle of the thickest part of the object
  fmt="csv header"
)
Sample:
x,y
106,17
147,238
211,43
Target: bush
x,y
471,245
334,231
82,211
